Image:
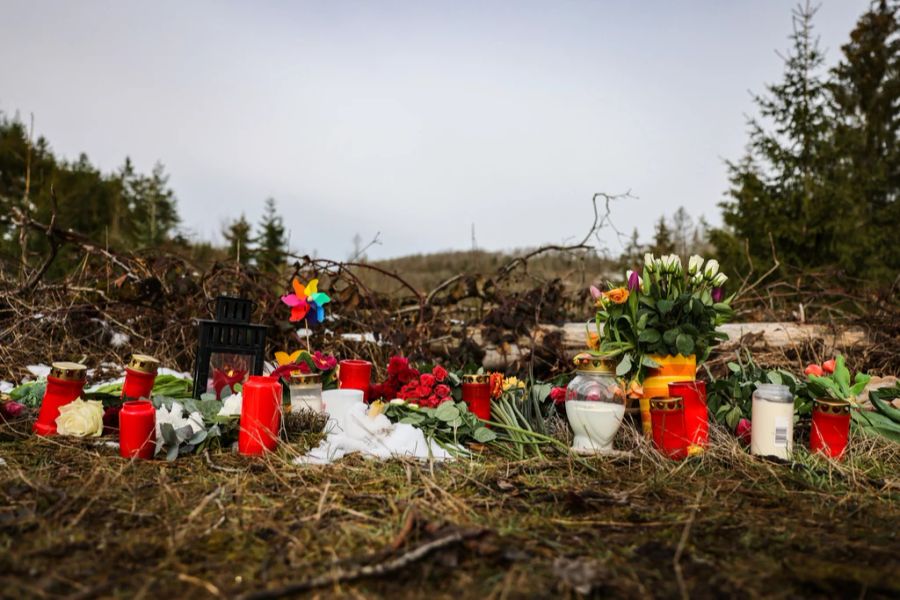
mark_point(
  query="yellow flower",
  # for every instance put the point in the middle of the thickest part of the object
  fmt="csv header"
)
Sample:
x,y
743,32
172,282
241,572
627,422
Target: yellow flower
x,y
375,409
512,383
283,358
80,419
617,295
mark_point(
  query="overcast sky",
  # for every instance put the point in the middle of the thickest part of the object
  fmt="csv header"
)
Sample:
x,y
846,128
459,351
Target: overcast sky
x,y
415,118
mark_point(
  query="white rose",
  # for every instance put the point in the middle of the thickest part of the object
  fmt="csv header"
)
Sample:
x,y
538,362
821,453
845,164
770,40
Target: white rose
x,y
712,267
397,401
649,262
231,406
676,263
720,279
695,263
80,419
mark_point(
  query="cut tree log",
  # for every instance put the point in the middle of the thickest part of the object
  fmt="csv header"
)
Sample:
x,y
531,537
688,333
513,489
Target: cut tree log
x,y
775,335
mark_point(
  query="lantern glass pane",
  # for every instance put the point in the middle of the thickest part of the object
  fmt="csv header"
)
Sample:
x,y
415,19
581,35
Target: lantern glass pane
x,y
227,369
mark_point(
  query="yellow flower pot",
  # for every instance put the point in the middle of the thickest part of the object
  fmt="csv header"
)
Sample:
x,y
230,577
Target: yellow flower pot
x,y
656,385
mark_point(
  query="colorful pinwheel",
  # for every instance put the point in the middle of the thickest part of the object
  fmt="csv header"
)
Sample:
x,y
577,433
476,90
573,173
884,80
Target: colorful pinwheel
x,y
307,302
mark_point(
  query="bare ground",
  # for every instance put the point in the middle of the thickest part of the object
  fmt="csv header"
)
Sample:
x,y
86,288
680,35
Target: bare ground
x,y
78,521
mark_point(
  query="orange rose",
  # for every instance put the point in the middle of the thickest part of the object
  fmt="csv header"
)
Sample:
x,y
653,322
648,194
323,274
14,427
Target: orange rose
x,y
635,390
617,296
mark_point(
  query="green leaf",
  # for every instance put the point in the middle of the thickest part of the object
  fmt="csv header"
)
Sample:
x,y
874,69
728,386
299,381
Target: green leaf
x,y
624,366
734,367
447,412
483,435
649,336
885,408
664,306
168,434
774,377
413,419
685,344
670,336
172,453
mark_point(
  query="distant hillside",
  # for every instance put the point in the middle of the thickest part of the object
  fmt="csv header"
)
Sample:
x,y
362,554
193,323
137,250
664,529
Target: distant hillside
x,y
426,271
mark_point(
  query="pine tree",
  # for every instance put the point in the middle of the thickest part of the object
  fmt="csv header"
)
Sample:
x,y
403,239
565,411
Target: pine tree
x,y
777,189
270,240
682,226
662,239
237,234
633,255
866,95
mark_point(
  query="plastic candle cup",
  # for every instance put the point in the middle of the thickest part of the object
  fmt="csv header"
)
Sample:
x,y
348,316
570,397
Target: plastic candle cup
x,y
669,435
64,384
139,377
830,431
355,374
476,393
772,421
696,415
338,404
260,415
137,429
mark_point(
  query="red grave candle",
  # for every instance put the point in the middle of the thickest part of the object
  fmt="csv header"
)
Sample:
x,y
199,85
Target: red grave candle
x,y
667,418
476,393
137,429
830,428
139,377
260,415
696,415
64,384
355,374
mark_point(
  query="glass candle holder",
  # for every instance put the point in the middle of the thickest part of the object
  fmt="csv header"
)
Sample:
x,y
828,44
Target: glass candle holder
x,y
595,405
476,393
64,384
306,392
140,374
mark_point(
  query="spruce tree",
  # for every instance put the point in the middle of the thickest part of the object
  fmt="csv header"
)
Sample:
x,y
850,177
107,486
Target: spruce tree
x,y
271,241
866,96
237,234
777,190
662,239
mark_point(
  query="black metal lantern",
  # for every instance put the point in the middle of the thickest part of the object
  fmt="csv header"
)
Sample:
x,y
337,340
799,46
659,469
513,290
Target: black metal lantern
x,y
230,348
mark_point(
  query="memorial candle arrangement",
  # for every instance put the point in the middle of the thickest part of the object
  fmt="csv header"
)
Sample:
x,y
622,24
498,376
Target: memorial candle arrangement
x,y
476,393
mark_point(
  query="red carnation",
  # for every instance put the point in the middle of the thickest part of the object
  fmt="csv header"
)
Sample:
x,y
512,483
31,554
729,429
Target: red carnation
x,y
439,372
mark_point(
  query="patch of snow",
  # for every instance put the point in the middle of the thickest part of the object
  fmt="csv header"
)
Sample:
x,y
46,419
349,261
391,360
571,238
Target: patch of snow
x,y
39,370
373,438
119,339
359,337
2,462
303,332
6,387
167,371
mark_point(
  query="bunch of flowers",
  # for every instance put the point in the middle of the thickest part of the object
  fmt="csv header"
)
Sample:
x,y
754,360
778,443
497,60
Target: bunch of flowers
x,y
429,390
399,374
833,380
667,310
308,362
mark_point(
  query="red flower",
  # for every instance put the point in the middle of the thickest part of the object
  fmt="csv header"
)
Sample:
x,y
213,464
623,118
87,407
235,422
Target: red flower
x,y
814,369
742,431
442,391
423,391
427,380
11,409
558,395
221,380
408,375
828,366
439,372
397,365
323,362
409,391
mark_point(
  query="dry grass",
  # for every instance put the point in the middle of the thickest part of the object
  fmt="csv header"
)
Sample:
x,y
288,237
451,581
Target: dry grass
x,y
76,520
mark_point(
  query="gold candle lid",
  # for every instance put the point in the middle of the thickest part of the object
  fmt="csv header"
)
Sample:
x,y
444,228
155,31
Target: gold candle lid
x,y
592,363
68,371
298,377
143,363
476,378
